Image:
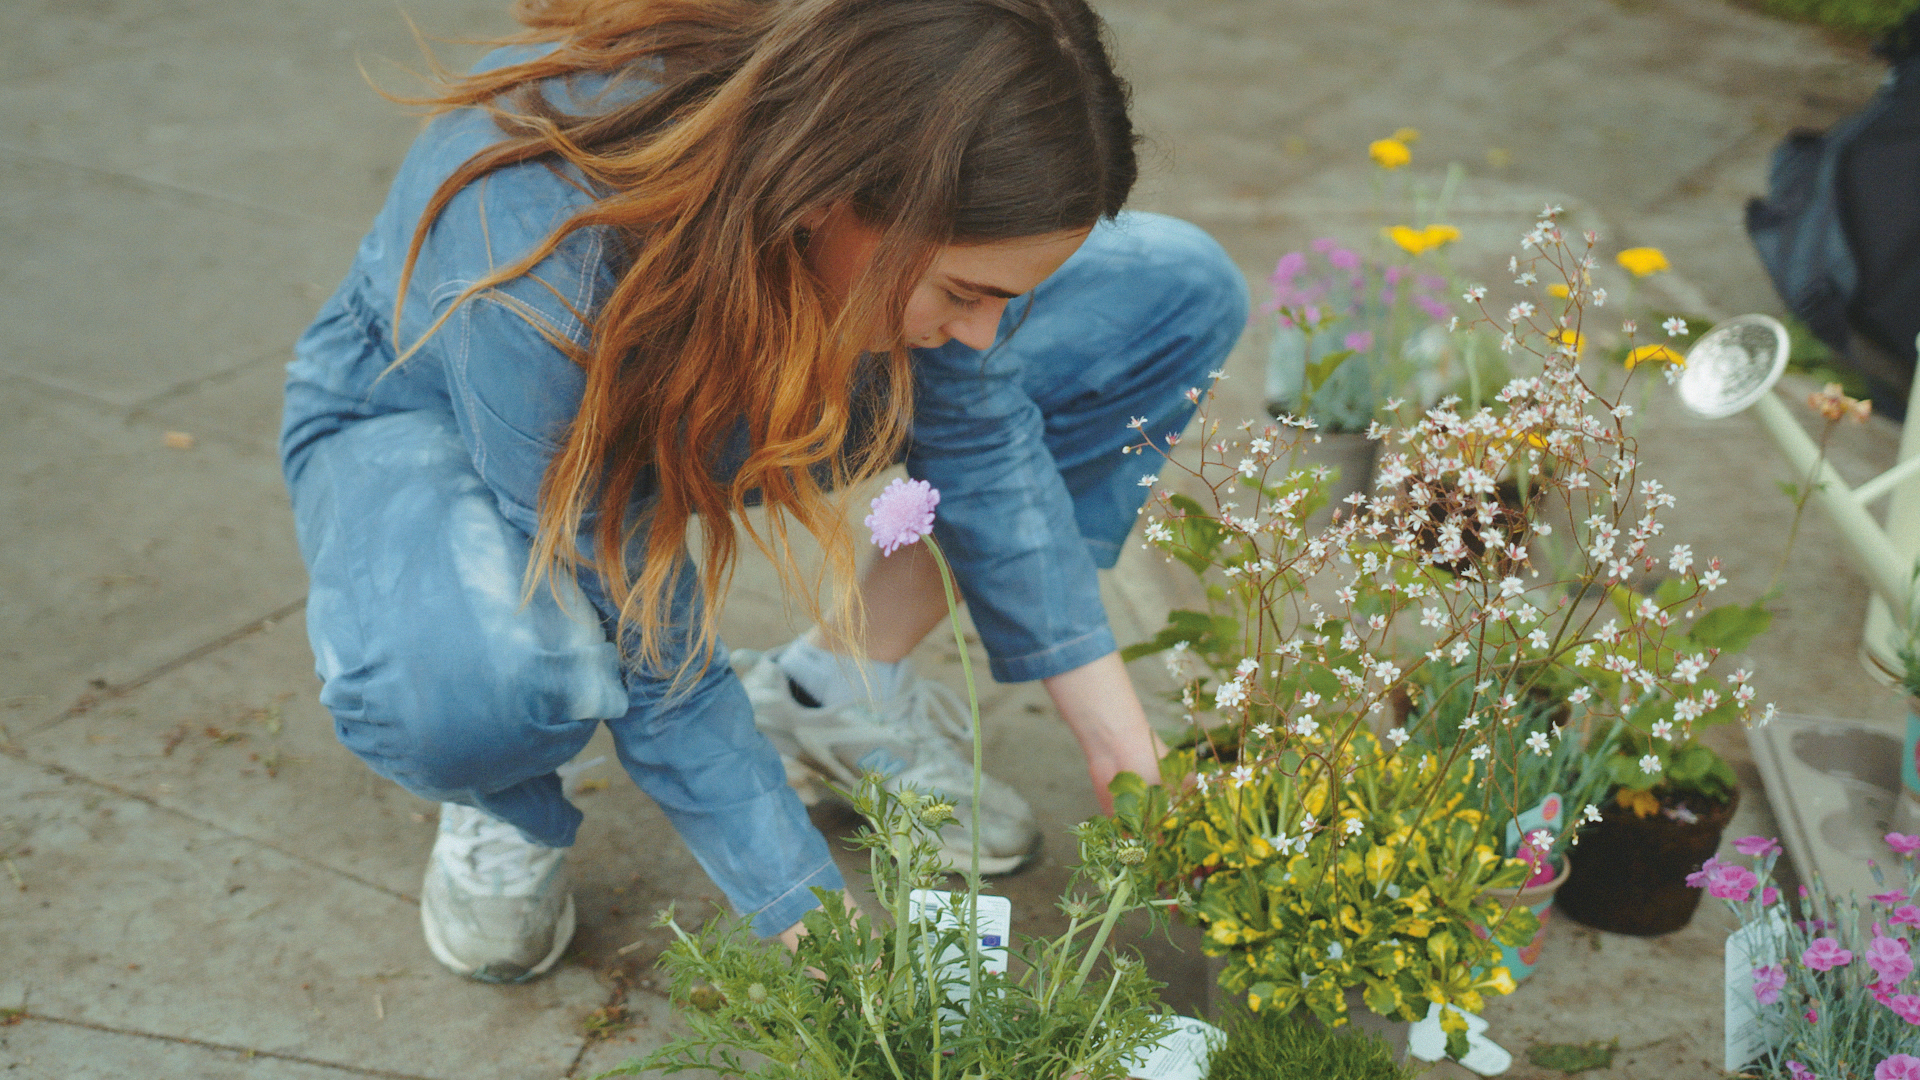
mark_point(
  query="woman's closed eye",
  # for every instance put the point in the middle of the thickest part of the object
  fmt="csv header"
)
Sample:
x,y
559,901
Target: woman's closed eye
x,y
962,301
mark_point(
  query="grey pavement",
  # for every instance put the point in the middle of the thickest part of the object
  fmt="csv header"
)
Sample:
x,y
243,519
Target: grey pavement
x,y
199,882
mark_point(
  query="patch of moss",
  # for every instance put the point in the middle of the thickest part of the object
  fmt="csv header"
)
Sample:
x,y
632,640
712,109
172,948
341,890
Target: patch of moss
x,y
1269,1046
1861,17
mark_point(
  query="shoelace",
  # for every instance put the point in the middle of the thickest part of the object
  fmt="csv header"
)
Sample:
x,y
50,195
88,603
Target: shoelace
x,y
489,854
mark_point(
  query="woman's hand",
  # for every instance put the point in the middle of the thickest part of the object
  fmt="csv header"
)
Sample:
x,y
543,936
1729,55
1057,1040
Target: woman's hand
x,y
790,937
1098,702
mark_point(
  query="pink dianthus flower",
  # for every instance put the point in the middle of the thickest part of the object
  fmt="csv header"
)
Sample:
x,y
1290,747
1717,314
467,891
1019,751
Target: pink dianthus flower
x,y
1905,845
1898,1067
1825,954
1768,982
1758,847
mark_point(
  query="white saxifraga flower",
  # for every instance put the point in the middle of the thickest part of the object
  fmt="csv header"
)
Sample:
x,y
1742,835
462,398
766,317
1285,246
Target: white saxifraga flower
x,y
1537,742
1511,586
1230,694
1689,668
1248,467
1663,729
1538,639
1398,736
1247,666
1579,695
1650,764
1354,826
1591,813
1540,839
1242,776
1479,753
1712,580
1674,326
1305,726
1682,558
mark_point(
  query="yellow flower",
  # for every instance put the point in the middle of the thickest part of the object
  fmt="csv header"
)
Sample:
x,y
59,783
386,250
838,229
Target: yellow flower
x,y
1389,153
1414,241
1573,339
1407,135
1642,261
1558,289
1654,354
1642,802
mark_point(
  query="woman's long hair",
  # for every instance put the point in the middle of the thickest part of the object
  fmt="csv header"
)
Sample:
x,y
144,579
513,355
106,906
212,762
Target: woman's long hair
x,y
937,121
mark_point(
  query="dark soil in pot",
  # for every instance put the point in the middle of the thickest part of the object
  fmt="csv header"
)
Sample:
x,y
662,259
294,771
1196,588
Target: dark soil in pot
x,y
1631,876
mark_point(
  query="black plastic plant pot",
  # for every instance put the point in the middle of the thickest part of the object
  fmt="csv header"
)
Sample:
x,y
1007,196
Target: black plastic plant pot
x,y
1631,877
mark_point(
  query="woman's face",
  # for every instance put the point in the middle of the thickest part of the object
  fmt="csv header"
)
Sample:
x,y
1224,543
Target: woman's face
x,y
965,289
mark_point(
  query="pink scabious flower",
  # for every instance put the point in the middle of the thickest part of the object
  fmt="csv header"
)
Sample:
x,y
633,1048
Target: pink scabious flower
x,y
1898,1067
1906,1007
902,514
1758,847
1768,982
1889,958
1825,954
1800,1072
1905,845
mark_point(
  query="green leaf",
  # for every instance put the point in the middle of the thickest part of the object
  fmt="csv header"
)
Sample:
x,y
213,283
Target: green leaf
x,y
1730,627
1790,490
1322,369
1129,793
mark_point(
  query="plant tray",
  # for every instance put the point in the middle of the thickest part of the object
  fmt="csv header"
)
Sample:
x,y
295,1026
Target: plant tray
x,y
1835,789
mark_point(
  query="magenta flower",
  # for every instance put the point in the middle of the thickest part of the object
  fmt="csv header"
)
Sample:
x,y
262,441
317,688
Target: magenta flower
x,y
1905,915
1769,895
1905,845
1906,1007
1825,954
1758,847
1898,1067
1730,882
1698,879
1800,1072
902,514
1890,897
1768,982
1889,958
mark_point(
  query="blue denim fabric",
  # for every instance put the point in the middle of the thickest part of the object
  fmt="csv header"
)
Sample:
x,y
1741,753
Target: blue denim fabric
x,y
416,486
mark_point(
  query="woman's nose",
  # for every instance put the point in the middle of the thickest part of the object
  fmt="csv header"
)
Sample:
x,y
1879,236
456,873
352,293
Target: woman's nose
x,y
978,328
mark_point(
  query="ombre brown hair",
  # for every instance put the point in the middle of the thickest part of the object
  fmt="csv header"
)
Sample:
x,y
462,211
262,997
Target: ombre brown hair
x,y
936,121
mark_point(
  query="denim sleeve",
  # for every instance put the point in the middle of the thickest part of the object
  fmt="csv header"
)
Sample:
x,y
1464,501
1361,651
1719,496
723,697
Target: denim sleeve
x,y
1006,520
693,746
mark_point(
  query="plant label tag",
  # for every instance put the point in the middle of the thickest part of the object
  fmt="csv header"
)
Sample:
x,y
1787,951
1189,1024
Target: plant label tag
x,y
1544,816
946,911
1750,1031
1181,1054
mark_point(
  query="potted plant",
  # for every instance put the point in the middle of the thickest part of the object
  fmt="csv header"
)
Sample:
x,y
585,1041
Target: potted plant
x,y
1356,332
1829,993
1301,827
1523,792
924,991
1672,795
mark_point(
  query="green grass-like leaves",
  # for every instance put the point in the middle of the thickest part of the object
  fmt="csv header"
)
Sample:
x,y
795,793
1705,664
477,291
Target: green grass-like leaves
x,y
1272,1046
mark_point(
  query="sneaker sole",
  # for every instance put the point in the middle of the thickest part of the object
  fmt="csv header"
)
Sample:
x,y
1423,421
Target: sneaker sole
x,y
813,789
562,937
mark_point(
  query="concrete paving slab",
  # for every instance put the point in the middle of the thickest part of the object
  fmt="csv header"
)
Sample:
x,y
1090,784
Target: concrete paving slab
x,y
146,921
121,554
118,290
48,1050
179,98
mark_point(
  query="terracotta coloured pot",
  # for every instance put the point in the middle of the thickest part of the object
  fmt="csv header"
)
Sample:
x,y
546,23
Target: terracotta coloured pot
x,y
1632,874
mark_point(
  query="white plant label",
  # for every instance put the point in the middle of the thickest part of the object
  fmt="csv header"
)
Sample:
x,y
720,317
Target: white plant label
x,y
1750,1033
1181,1054
947,910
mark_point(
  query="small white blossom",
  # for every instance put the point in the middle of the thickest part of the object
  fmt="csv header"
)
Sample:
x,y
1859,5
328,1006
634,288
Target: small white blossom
x,y
1479,753
1398,736
1305,726
1650,764
1663,729
1147,480
1537,742
1354,826
1674,326
1591,813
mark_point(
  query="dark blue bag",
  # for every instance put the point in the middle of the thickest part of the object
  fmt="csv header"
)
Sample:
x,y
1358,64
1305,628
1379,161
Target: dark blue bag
x,y
1839,230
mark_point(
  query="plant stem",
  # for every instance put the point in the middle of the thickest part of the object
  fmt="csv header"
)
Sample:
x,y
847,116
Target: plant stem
x,y
973,714
1122,892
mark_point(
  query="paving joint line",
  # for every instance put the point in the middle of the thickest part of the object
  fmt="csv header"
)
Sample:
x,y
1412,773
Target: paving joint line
x,y
139,409
207,199
88,700
250,1052
127,793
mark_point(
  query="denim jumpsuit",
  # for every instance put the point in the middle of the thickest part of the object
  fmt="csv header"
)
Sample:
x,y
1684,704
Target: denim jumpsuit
x,y
415,491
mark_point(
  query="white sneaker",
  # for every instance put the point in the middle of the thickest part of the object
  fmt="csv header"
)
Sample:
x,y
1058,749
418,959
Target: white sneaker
x,y
495,907
915,741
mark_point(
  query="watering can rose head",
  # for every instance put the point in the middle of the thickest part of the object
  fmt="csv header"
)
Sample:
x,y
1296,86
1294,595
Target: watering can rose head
x,y
902,514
